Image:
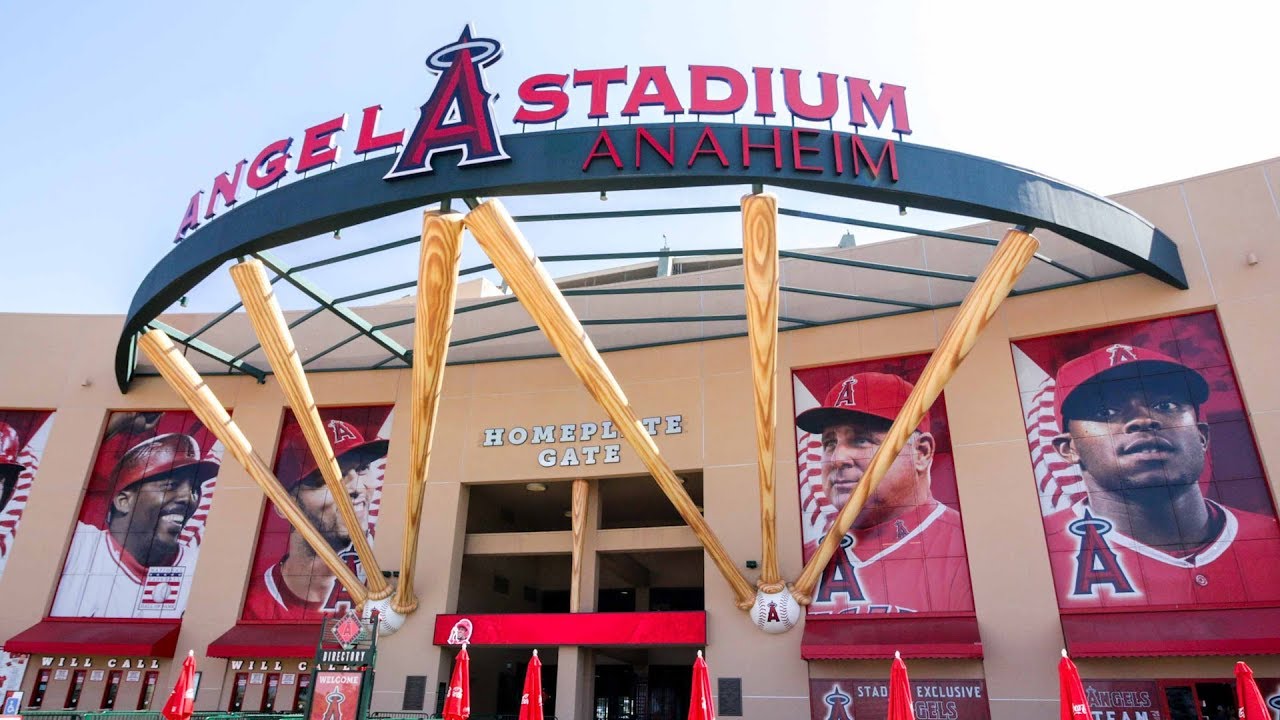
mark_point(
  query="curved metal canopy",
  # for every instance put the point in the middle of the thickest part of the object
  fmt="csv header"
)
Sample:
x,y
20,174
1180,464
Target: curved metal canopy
x,y
547,163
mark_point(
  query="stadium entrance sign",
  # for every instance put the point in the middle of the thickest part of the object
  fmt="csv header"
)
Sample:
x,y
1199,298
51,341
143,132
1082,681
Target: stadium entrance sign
x,y
459,117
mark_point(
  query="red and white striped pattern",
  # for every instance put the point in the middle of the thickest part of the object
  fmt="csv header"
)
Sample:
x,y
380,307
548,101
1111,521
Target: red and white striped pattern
x,y
30,459
816,511
193,531
1059,483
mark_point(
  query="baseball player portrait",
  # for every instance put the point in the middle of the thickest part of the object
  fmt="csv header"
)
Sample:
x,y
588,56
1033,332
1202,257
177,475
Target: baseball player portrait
x,y
289,581
133,553
905,551
1139,518
22,438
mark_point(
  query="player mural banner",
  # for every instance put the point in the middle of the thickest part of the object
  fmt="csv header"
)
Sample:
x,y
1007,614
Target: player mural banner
x,y
905,552
1149,480
134,551
845,699
289,583
22,438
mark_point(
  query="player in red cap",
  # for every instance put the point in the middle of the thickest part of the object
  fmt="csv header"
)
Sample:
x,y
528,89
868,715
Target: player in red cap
x,y
1146,534
300,586
136,566
10,468
905,552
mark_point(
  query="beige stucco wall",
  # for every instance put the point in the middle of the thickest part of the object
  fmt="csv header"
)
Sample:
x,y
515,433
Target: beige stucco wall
x,y
64,362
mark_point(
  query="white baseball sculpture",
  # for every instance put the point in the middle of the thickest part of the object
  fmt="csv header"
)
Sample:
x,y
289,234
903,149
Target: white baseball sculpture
x,y
775,612
389,621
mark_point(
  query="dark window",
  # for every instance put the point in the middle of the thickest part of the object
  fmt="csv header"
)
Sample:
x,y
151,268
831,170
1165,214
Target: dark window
x,y
616,600
304,691
37,692
676,599
148,689
269,696
77,686
238,689
112,689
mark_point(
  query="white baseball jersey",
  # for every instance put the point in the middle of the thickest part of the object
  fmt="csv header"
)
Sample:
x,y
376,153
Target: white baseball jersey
x,y
99,579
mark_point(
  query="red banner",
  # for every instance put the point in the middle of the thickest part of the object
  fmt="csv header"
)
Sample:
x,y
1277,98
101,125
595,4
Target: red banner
x,y
846,699
1150,484
135,546
335,696
288,582
612,629
22,438
905,552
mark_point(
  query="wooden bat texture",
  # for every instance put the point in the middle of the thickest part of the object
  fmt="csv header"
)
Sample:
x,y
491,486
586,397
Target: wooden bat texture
x,y
578,512
437,292
273,332
760,266
506,247
991,288
185,381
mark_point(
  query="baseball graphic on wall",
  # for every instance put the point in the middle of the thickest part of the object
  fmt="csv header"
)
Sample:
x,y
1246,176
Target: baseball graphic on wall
x,y
775,612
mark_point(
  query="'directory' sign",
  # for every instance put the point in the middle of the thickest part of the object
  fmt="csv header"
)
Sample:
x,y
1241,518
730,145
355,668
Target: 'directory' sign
x,y
582,443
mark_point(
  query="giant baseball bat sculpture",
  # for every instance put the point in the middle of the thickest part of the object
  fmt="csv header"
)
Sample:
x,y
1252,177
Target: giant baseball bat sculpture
x,y
185,381
760,266
273,333
1011,257
501,239
437,292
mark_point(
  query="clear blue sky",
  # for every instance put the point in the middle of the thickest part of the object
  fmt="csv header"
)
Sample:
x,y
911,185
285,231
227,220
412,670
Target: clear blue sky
x,y
115,113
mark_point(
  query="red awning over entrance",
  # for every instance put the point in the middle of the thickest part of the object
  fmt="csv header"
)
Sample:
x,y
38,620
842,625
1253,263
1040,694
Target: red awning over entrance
x,y
838,637
1236,631
266,641
596,629
97,637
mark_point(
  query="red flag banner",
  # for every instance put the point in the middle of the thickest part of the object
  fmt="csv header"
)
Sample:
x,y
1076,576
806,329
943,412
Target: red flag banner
x,y
457,706
900,698
701,703
1248,698
531,699
182,700
1073,703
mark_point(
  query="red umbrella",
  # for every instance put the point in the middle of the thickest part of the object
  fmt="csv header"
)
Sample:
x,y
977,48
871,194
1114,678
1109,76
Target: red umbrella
x,y
900,705
1074,705
1248,699
457,706
531,701
182,700
701,706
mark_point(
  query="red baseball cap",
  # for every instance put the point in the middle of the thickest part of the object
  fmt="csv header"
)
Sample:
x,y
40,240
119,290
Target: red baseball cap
x,y
10,445
876,394
296,461
159,456
1120,361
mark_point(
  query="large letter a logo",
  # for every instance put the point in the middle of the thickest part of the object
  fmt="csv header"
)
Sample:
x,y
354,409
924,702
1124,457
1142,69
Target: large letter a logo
x,y
458,115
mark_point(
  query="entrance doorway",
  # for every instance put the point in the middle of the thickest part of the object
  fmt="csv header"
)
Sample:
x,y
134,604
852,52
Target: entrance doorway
x,y
639,684
1199,700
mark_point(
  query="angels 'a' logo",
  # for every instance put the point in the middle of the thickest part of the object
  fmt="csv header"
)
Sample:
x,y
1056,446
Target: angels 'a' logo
x,y
333,711
459,113
341,431
1121,354
838,703
846,396
1096,563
